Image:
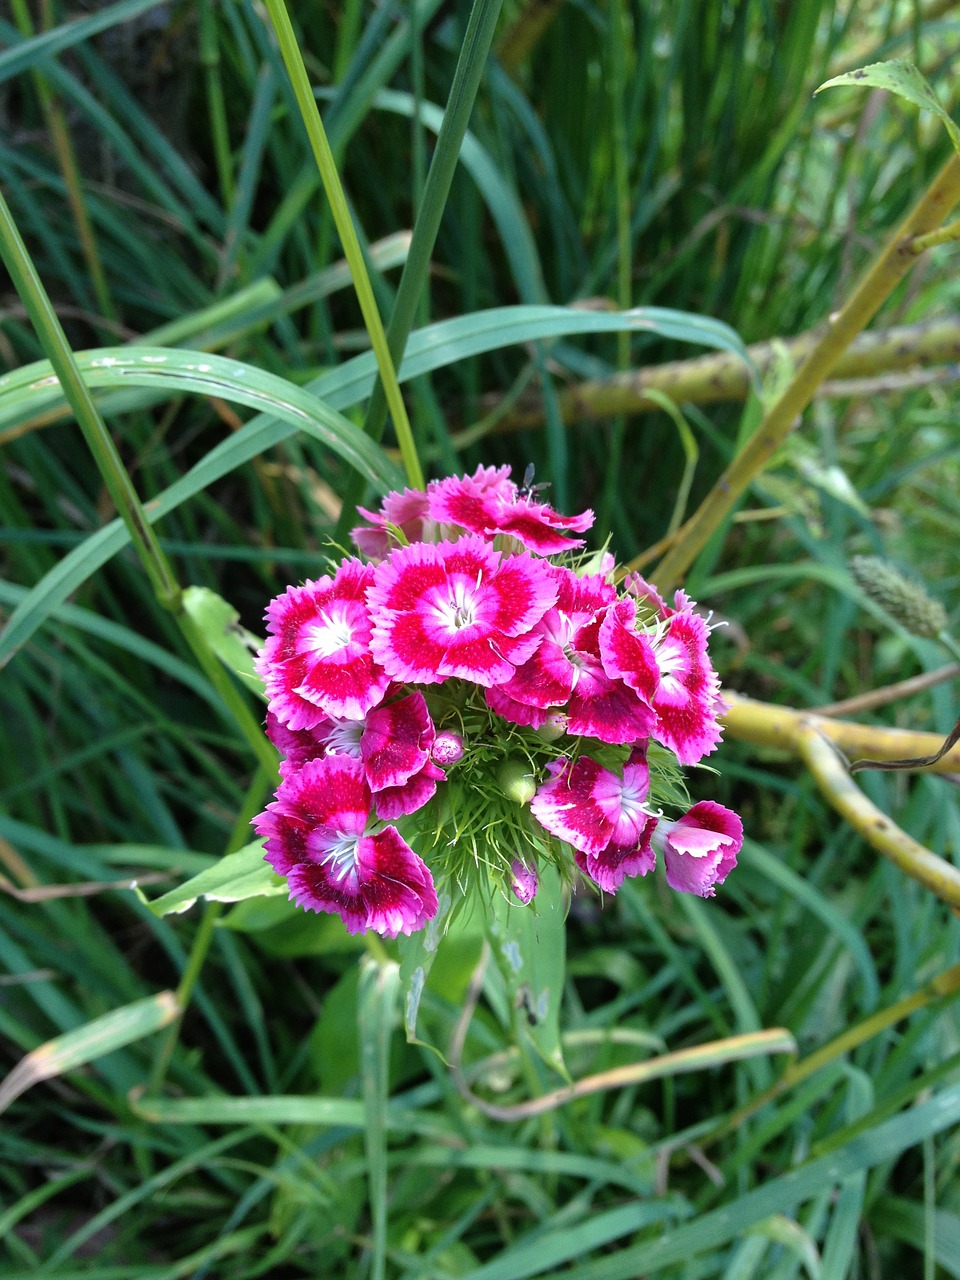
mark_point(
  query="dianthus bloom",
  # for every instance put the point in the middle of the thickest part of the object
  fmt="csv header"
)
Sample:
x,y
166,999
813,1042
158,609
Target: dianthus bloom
x,y
494,696
488,503
457,609
317,661
318,833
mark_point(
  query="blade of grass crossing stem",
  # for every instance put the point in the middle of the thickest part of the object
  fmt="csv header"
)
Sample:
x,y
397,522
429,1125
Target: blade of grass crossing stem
x,y
435,347
720,1226
76,1048
376,1017
348,236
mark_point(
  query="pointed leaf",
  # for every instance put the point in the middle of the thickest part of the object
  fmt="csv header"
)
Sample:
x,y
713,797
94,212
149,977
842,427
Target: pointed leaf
x,y
239,875
219,622
903,79
529,945
94,1040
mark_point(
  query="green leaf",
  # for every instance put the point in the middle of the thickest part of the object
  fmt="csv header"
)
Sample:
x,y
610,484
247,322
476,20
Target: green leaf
x,y
178,370
239,875
220,624
350,1113
281,928
903,79
94,1040
455,946
529,944
417,954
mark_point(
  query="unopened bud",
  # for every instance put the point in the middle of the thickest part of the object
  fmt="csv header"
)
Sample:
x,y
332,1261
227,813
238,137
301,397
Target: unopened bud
x,y
554,727
447,747
524,882
517,780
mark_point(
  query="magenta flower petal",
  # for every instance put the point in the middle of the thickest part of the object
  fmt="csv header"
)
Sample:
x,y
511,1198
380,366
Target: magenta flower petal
x,y
489,503
316,835
579,803
539,528
394,802
396,741
297,746
457,609
628,654
516,712
606,709
700,850
317,662
611,866
407,511
387,888
470,502
686,700
568,647
323,802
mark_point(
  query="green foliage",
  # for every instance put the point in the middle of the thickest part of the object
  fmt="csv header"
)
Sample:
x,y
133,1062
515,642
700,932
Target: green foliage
x,y
289,1128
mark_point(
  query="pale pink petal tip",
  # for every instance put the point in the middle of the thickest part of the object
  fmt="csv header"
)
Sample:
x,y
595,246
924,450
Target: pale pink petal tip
x,y
700,850
317,835
524,882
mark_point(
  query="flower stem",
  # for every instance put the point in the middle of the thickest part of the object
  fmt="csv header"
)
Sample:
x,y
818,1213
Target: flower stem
x,y
943,987
323,155
781,417
834,780
463,91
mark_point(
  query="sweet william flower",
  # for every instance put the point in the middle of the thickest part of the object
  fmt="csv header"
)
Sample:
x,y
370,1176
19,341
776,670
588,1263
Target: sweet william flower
x,y
567,670
394,742
687,700
487,503
700,849
318,834
463,592
317,662
408,511
458,609
602,816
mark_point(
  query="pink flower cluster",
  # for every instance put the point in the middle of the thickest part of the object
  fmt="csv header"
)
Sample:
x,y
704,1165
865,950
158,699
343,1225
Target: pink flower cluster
x,y
462,595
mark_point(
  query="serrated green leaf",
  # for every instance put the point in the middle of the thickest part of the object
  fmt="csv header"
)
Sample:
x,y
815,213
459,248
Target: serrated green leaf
x,y
239,875
903,79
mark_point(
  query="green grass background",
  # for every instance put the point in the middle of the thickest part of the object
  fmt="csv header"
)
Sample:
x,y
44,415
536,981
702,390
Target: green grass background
x,y
655,155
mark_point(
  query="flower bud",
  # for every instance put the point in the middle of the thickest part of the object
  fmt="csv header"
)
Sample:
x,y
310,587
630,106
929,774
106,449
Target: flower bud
x,y
554,727
517,780
524,882
447,747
